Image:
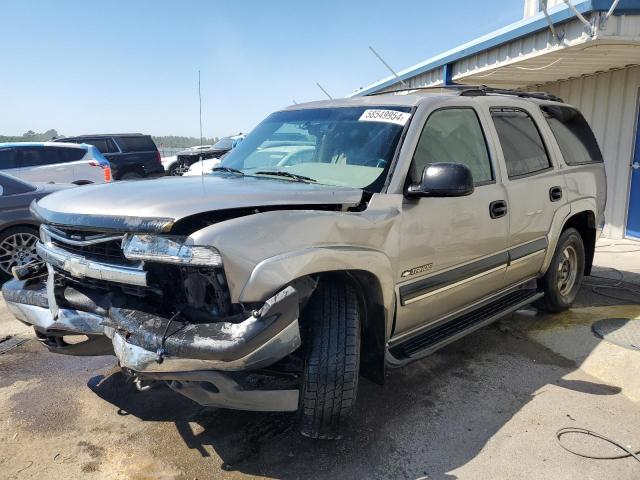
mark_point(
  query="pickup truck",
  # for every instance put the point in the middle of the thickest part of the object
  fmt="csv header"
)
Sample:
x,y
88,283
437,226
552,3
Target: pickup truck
x,y
398,224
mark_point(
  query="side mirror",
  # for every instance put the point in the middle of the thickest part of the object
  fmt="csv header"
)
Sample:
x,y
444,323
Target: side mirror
x,y
443,180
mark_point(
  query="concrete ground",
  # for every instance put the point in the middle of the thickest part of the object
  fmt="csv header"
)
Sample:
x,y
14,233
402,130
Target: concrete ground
x,y
487,406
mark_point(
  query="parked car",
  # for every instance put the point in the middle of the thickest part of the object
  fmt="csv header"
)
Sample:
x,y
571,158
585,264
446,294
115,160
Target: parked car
x,y
54,162
18,228
274,283
132,155
170,161
187,158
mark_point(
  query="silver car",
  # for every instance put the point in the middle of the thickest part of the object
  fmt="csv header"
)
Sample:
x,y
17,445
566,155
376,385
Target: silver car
x,y
377,230
54,162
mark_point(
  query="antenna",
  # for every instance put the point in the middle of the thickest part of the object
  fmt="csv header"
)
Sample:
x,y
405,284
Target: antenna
x,y
325,92
387,65
200,102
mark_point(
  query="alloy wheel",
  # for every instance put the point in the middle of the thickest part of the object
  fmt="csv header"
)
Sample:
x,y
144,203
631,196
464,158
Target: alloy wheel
x,y
17,250
567,270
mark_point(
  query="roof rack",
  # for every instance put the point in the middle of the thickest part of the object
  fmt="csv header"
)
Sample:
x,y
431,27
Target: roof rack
x,y
478,90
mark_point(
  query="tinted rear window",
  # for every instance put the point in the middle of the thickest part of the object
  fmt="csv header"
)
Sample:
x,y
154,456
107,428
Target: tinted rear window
x,y
577,142
8,158
142,143
66,154
41,156
523,148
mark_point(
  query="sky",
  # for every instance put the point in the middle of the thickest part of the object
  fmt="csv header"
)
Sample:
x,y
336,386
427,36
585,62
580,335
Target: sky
x,y
132,66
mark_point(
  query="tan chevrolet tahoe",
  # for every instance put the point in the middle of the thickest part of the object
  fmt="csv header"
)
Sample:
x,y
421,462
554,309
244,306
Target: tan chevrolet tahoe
x,y
340,238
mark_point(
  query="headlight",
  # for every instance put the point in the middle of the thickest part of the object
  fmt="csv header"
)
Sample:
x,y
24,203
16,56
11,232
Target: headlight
x,y
170,250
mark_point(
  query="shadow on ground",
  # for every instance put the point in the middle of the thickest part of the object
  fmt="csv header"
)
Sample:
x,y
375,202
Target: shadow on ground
x,y
429,419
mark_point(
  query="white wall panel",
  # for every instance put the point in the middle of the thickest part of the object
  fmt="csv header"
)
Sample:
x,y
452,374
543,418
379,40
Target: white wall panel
x,y
609,101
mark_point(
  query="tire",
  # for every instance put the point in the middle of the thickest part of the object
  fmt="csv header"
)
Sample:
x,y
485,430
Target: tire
x,y
332,360
173,170
564,276
17,247
131,176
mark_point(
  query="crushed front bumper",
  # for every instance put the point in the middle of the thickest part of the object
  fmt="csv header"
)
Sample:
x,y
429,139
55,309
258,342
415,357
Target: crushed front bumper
x,y
186,356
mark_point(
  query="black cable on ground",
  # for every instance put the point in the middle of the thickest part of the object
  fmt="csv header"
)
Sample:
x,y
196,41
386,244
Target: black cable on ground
x,y
619,284
584,431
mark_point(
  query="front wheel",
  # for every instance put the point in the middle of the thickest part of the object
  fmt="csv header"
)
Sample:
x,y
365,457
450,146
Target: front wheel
x,y
331,336
564,276
17,248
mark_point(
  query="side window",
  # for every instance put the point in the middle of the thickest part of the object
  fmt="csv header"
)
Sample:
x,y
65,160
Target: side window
x,y
139,143
8,158
105,145
66,154
453,135
573,134
38,156
522,146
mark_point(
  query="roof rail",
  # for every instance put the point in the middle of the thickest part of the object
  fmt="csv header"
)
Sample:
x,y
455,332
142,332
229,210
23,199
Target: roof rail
x,y
477,90
484,90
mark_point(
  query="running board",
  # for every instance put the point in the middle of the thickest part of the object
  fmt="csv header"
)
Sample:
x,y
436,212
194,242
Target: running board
x,y
451,330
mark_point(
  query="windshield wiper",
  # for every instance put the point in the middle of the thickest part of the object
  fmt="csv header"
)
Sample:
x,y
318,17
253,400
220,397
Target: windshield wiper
x,y
227,170
293,176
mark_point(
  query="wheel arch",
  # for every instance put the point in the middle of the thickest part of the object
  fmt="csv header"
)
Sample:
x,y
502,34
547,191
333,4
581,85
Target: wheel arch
x,y
585,223
368,271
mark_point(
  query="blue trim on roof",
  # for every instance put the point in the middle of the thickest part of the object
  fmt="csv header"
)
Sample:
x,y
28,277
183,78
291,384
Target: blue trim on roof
x,y
447,74
522,28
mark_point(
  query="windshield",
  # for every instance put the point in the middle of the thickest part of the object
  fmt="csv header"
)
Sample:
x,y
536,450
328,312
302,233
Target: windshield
x,y
224,143
351,147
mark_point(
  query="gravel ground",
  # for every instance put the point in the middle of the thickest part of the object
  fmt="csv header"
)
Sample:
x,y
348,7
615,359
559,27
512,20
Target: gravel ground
x,y
487,406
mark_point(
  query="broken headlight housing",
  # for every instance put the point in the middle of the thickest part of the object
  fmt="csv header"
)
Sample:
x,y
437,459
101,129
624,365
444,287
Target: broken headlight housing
x,y
168,249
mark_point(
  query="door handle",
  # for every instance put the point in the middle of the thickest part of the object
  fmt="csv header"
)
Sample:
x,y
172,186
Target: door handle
x,y
555,194
498,208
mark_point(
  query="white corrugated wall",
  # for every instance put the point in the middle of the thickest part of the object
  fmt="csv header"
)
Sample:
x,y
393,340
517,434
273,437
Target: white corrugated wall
x,y
609,101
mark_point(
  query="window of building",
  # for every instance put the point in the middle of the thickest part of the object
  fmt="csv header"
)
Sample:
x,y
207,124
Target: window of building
x,y
573,134
522,146
455,136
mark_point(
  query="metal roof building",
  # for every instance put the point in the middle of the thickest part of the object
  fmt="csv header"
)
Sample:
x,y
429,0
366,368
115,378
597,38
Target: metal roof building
x,y
586,52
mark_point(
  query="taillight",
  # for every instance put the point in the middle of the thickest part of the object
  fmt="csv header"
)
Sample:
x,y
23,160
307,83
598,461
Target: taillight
x,y
159,158
106,169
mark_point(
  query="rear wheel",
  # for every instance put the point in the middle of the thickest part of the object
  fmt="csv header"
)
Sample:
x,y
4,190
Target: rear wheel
x,y
17,248
331,337
564,276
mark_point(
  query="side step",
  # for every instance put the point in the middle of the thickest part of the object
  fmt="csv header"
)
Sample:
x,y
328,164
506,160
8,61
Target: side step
x,y
450,330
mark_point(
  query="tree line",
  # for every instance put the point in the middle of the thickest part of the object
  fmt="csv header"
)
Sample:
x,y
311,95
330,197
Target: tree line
x,y
167,141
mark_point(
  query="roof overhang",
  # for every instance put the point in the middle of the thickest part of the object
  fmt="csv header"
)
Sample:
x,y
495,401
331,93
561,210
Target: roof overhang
x,y
527,53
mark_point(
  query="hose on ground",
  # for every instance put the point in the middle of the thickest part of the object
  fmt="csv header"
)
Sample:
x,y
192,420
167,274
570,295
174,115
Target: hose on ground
x,y
583,431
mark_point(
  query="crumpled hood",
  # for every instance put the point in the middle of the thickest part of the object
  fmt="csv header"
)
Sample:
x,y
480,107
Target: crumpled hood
x,y
154,205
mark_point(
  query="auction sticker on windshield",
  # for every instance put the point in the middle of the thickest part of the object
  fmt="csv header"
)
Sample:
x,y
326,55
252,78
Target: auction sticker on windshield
x,y
387,116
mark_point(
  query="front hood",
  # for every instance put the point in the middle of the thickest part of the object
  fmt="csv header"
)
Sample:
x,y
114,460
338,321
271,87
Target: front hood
x,y
155,205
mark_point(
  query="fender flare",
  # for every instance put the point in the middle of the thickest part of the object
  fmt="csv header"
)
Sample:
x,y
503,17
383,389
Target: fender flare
x,y
563,214
273,273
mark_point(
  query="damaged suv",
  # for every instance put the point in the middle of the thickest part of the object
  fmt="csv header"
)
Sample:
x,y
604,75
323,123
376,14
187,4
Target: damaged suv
x,y
338,239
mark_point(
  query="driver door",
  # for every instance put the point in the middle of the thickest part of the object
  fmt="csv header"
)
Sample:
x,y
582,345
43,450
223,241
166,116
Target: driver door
x,y
453,251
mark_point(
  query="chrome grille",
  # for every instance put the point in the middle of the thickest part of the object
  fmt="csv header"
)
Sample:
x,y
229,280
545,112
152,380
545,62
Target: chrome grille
x,y
97,246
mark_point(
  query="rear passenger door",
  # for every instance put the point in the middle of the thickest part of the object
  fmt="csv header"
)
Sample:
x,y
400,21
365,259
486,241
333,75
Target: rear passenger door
x,y
44,164
535,189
